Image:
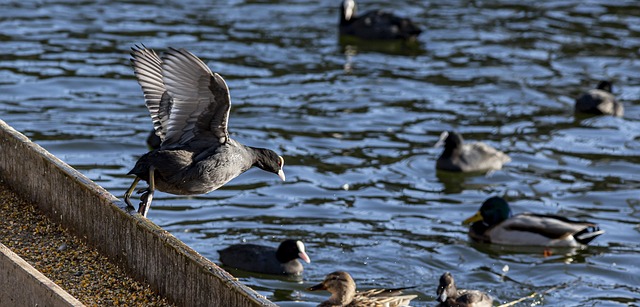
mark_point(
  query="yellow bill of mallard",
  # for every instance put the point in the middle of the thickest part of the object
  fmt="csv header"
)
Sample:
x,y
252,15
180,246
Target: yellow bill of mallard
x,y
475,218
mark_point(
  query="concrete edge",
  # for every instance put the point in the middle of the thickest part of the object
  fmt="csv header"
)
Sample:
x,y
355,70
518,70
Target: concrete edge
x,y
23,285
150,253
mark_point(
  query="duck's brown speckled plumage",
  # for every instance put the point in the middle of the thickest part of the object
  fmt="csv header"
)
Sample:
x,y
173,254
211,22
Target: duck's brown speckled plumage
x,y
343,293
450,296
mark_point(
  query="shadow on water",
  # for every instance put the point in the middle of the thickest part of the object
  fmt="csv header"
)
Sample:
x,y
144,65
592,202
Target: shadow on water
x,y
579,254
454,183
352,45
245,275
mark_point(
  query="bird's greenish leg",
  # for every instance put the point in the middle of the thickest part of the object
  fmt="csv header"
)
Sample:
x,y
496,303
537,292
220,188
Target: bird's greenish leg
x,y
147,197
127,194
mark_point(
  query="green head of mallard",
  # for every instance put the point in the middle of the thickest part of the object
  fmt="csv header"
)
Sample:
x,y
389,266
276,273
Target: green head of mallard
x,y
493,211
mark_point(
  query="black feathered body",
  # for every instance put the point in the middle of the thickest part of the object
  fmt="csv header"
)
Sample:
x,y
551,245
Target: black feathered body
x,y
189,170
259,259
379,24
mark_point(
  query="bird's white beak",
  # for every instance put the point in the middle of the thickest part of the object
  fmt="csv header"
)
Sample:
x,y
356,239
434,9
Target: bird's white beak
x,y
304,257
302,254
443,137
281,175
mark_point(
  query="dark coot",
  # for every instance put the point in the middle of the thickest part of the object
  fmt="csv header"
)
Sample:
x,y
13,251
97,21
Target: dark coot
x,y
189,107
266,259
375,25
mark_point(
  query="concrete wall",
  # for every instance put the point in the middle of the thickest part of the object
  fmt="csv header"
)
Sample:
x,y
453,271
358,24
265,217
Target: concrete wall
x,y
150,253
22,285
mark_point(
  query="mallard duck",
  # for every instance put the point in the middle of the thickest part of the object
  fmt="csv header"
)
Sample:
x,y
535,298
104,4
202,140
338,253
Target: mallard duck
x,y
459,156
494,223
375,25
599,101
189,107
450,296
266,259
343,293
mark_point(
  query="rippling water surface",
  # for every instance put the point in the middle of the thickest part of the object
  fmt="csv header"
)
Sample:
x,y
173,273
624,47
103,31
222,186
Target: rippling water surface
x,y
356,124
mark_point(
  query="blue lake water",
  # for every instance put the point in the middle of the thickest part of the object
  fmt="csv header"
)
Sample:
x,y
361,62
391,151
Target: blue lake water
x,y
356,124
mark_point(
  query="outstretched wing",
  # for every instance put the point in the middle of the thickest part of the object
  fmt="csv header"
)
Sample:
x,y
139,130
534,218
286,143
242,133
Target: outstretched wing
x,y
201,99
147,67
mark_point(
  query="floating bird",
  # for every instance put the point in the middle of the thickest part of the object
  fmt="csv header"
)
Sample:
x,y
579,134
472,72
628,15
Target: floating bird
x,y
375,25
189,107
450,296
266,259
599,101
473,157
493,223
343,293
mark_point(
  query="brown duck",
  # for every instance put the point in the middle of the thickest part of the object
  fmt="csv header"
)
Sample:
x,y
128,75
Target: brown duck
x,y
450,296
344,294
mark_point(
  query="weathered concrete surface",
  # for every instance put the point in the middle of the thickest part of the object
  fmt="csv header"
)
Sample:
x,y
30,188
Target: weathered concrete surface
x,y
22,285
149,252
66,259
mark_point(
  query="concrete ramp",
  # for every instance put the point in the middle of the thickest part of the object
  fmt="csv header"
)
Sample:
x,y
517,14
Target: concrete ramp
x,y
22,285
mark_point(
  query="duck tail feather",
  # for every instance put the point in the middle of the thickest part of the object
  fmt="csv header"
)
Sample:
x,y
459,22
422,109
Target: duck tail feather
x,y
588,234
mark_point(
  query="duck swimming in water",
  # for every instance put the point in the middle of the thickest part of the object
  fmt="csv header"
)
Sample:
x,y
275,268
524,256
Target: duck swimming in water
x,y
343,293
266,259
494,223
599,101
459,156
450,296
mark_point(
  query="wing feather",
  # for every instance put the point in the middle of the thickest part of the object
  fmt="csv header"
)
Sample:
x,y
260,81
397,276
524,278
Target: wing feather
x,y
147,67
201,100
